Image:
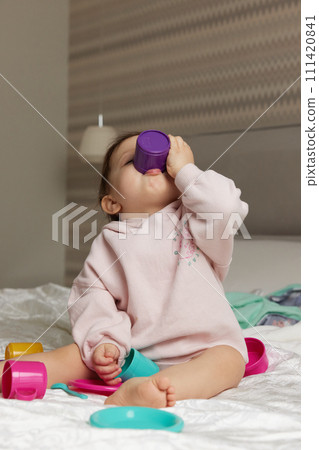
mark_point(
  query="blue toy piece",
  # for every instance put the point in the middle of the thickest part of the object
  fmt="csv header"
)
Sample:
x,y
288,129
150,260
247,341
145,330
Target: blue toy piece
x,y
67,390
137,417
137,365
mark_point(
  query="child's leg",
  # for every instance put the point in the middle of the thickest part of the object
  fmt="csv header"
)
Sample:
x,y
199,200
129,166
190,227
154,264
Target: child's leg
x,y
63,364
206,375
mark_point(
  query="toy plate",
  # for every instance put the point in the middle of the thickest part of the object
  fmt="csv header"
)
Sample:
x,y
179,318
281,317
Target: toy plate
x,y
137,417
94,386
258,361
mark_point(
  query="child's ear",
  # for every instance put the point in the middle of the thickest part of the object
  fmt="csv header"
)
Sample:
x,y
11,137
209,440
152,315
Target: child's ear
x,y
110,205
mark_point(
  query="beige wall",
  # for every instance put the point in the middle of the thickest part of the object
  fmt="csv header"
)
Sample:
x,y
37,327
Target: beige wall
x,y
34,56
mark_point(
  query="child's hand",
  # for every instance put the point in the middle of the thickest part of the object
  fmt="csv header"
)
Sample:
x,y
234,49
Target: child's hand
x,y
105,363
179,155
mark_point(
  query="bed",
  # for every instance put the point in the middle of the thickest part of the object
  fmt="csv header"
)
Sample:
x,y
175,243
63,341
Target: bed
x,y
263,412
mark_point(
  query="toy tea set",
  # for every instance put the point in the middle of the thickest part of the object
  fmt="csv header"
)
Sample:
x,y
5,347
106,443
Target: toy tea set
x,y
27,380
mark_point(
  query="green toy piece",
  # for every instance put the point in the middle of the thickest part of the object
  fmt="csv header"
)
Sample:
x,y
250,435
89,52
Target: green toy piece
x,y
67,390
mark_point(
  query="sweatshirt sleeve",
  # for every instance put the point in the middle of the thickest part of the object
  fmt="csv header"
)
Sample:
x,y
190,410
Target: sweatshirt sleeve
x,y
212,199
94,316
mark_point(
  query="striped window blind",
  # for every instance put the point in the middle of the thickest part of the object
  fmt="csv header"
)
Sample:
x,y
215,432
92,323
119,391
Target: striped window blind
x,y
183,66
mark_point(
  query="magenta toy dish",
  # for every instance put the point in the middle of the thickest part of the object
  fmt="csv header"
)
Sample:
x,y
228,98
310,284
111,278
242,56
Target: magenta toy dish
x,y
94,386
258,361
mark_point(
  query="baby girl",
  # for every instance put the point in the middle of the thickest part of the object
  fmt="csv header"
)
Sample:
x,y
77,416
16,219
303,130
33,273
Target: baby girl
x,y
153,281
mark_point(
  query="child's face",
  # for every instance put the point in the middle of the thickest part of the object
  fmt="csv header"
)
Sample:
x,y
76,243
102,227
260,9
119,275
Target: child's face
x,y
143,193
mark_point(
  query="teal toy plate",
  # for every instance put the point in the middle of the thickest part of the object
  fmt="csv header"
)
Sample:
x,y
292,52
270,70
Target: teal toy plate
x,y
137,417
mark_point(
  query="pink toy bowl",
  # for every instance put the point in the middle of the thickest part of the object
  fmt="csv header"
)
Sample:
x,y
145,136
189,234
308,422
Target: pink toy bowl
x,y
93,386
258,361
24,380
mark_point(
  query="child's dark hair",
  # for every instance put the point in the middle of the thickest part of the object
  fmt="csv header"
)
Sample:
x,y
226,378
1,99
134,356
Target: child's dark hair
x,y
106,168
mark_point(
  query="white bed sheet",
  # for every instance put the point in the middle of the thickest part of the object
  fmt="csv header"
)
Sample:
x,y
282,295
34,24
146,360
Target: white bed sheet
x,y
263,412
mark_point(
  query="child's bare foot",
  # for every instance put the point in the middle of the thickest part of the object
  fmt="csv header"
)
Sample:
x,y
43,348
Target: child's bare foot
x,y
154,392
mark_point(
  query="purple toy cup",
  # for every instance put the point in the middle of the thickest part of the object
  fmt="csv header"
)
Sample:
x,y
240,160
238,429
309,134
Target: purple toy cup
x,y
24,380
152,147
258,361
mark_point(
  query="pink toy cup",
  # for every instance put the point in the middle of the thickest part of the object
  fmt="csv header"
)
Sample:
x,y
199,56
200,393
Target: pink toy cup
x,y
24,380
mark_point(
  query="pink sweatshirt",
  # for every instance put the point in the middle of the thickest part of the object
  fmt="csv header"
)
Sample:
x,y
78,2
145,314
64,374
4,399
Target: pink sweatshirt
x,y
155,283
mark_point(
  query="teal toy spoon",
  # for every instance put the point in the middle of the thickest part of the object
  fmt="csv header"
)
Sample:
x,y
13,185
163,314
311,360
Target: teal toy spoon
x,y
66,389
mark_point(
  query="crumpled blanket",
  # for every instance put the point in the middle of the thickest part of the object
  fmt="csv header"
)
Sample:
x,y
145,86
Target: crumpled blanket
x,y
262,413
280,308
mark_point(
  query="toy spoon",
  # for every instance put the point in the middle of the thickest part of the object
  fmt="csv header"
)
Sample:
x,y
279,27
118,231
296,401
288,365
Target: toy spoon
x,y
66,389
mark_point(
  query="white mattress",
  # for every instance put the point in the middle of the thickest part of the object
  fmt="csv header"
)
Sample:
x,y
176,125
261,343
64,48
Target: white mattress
x,y
262,412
